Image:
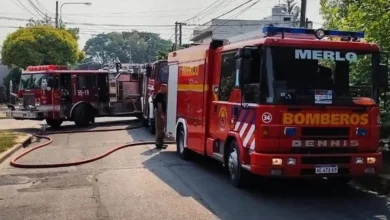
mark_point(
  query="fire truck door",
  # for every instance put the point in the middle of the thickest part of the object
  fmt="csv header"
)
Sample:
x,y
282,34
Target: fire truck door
x,y
66,93
102,85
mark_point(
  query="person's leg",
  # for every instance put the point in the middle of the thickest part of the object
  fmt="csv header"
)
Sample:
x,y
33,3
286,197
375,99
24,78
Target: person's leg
x,y
159,129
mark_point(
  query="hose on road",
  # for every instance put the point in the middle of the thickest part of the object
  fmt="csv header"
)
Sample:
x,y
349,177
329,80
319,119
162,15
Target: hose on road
x,y
75,163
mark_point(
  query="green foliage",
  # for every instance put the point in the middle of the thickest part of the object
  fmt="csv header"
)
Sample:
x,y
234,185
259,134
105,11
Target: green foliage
x,y
127,47
47,21
39,45
14,76
370,16
162,55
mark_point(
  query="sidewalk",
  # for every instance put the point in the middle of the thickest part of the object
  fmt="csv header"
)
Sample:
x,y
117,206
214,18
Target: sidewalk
x,y
12,124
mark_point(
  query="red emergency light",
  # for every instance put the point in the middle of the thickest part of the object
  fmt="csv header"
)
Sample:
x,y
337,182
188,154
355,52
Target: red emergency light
x,y
46,67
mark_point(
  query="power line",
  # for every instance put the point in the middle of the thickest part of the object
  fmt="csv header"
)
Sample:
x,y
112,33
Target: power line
x,y
130,25
42,6
236,15
215,9
198,14
37,9
21,6
235,8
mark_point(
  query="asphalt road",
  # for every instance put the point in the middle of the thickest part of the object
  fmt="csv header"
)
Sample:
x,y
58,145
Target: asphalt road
x,y
144,183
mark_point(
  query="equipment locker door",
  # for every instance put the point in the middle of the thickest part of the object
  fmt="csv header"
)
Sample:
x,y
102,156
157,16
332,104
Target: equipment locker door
x,y
65,86
172,99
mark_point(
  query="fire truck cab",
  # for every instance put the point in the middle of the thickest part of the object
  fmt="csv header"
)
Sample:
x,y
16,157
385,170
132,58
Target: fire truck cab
x,y
56,94
285,104
157,74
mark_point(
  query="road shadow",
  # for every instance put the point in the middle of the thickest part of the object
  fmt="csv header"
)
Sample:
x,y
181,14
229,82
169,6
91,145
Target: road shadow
x,y
206,181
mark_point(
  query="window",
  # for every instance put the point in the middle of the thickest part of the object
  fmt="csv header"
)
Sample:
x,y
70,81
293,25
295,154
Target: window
x,y
301,73
251,88
286,19
228,75
84,82
32,81
163,72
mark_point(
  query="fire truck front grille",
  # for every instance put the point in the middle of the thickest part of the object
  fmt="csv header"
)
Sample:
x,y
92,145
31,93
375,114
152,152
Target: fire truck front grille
x,y
323,150
326,160
28,99
331,132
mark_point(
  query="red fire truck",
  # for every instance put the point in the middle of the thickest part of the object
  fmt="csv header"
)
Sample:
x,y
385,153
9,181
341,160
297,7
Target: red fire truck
x,y
281,105
157,74
57,94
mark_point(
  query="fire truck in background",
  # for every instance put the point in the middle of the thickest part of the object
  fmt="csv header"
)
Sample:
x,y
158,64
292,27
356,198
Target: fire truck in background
x,y
58,94
157,74
280,105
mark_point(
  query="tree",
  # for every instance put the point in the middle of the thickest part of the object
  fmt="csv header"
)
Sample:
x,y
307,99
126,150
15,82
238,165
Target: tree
x,y
290,7
126,47
370,16
13,75
47,21
39,45
162,55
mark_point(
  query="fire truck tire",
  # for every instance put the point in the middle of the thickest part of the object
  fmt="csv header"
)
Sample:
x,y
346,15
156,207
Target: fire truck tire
x,y
183,152
80,116
54,123
237,175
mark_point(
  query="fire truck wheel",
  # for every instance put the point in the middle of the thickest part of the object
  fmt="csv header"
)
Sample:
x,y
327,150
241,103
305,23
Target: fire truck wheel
x,y
181,150
237,175
80,116
54,123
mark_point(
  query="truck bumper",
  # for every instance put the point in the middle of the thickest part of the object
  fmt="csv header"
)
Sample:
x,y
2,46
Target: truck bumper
x,y
32,115
353,165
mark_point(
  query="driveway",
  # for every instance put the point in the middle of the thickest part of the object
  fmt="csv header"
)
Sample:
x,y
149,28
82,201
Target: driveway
x,y
144,183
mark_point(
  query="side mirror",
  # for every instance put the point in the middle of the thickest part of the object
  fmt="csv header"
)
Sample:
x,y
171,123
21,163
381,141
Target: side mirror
x,y
381,80
148,71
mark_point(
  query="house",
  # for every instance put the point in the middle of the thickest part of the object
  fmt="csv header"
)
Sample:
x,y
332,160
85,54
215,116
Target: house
x,y
225,29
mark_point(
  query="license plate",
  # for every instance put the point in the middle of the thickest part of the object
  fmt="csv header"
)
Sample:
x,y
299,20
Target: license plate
x,y
326,169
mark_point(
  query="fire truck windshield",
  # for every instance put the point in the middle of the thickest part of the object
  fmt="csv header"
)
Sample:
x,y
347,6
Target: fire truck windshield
x,y
163,72
317,76
31,81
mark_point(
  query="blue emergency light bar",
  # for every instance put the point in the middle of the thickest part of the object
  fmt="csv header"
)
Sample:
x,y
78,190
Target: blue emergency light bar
x,y
272,30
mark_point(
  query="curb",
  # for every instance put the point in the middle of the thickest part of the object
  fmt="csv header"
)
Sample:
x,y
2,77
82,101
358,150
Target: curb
x,y
6,154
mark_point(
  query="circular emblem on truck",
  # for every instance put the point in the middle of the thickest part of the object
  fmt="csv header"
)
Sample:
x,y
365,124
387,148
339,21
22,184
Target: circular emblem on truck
x,y
266,117
222,117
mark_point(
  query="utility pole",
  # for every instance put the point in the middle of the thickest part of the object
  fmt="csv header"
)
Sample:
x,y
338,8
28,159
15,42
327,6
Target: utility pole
x,y
303,13
176,30
181,34
178,35
56,14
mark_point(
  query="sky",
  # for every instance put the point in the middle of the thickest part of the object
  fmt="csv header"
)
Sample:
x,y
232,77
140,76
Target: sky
x,y
156,16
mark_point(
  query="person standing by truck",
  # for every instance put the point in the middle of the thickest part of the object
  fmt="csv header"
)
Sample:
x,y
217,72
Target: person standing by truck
x,y
160,107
